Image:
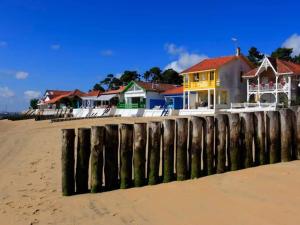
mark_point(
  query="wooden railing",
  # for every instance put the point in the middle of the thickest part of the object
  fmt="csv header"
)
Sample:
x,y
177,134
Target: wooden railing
x,y
202,84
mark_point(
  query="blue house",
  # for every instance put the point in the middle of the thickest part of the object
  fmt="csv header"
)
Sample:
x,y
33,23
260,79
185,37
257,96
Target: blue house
x,y
174,98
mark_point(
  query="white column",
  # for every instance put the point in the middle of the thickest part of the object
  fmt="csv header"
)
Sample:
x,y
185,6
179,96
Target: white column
x,y
183,99
219,97
248,96
289,91
208,98
215,99
276,90
258,89
188,99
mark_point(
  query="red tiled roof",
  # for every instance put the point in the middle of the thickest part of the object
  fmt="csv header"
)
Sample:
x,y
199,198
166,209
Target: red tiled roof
x,y
157,87
174,91
93,94
214,63
76,92
280,66
109,92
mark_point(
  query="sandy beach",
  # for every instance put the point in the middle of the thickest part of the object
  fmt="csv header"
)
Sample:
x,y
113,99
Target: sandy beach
x,y
30,191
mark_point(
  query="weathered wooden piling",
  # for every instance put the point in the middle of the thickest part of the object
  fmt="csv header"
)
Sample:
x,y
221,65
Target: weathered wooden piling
x,y
247,127
260,138
286,130
168,149
126,150
68,161
234,140
83,157
111,170
139,154
196,126
210,145
181,148
221,125
97,148
154,132
273,136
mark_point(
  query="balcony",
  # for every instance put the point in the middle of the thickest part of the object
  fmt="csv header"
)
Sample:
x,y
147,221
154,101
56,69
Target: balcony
x,y
201,84
268,87
123,105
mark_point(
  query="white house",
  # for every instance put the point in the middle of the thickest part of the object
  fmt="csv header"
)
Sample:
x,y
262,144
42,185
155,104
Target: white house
x,y
275,82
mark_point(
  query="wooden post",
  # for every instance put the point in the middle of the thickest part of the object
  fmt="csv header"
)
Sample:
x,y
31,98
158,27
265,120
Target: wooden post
x,y
111,169
139,156
68,161
126,149
154,133
210,144
234,138
286,128
97,145
83,158
297,134
196,125
168,150
221,122
181,147
273,136
260,138
247,127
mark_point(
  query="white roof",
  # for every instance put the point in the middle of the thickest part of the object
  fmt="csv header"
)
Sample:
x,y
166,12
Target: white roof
x,y
106,97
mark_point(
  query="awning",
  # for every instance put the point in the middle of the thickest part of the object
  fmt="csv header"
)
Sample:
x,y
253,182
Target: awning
x,y
106,97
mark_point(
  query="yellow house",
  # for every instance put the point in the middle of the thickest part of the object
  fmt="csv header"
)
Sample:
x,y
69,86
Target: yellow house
x,y
215,83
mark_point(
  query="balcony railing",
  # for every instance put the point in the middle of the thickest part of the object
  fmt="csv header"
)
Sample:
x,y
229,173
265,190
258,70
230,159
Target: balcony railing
x,y
268,87
123,105
202,84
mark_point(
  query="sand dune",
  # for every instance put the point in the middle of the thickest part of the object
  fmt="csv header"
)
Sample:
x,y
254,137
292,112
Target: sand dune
x,y
30,191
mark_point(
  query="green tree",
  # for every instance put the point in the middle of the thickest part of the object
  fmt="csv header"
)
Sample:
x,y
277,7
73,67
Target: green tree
x,y
128,76
283,53
147,76
155,74
255,56
33,103
98,87
111,82
170,76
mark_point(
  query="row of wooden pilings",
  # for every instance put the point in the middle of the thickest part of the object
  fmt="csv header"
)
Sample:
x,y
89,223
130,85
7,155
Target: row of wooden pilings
x,y
126,155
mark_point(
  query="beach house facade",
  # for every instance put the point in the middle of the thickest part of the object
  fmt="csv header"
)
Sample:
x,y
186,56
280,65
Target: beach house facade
x,y
144,95
174,98
274,83
214,84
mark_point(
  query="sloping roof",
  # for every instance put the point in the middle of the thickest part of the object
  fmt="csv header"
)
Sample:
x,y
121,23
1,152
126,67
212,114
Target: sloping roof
x,y
280,66
156,87
215,63
93,94
76,92
174,91
121,89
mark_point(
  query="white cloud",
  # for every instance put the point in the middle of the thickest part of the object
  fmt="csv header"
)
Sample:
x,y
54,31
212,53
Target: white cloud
x,y
172,49
5,92
107,52
32,94
3,44
294,43
55,47
185,59
21,75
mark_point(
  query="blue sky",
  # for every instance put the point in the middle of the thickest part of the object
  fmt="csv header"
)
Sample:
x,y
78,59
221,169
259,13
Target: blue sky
x,y
73,44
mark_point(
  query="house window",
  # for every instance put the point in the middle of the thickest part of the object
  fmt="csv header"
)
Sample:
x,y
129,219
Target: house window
x,y
212,75
196,76
186,78
203,76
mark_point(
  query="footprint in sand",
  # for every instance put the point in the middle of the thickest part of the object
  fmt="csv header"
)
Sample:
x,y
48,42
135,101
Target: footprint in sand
x,y
35,212
36,221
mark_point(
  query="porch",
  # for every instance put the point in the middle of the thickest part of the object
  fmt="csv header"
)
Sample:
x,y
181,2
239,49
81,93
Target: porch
x,y
208,99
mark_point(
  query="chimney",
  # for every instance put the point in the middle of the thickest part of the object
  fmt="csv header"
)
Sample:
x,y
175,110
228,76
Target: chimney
x,y
238,51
